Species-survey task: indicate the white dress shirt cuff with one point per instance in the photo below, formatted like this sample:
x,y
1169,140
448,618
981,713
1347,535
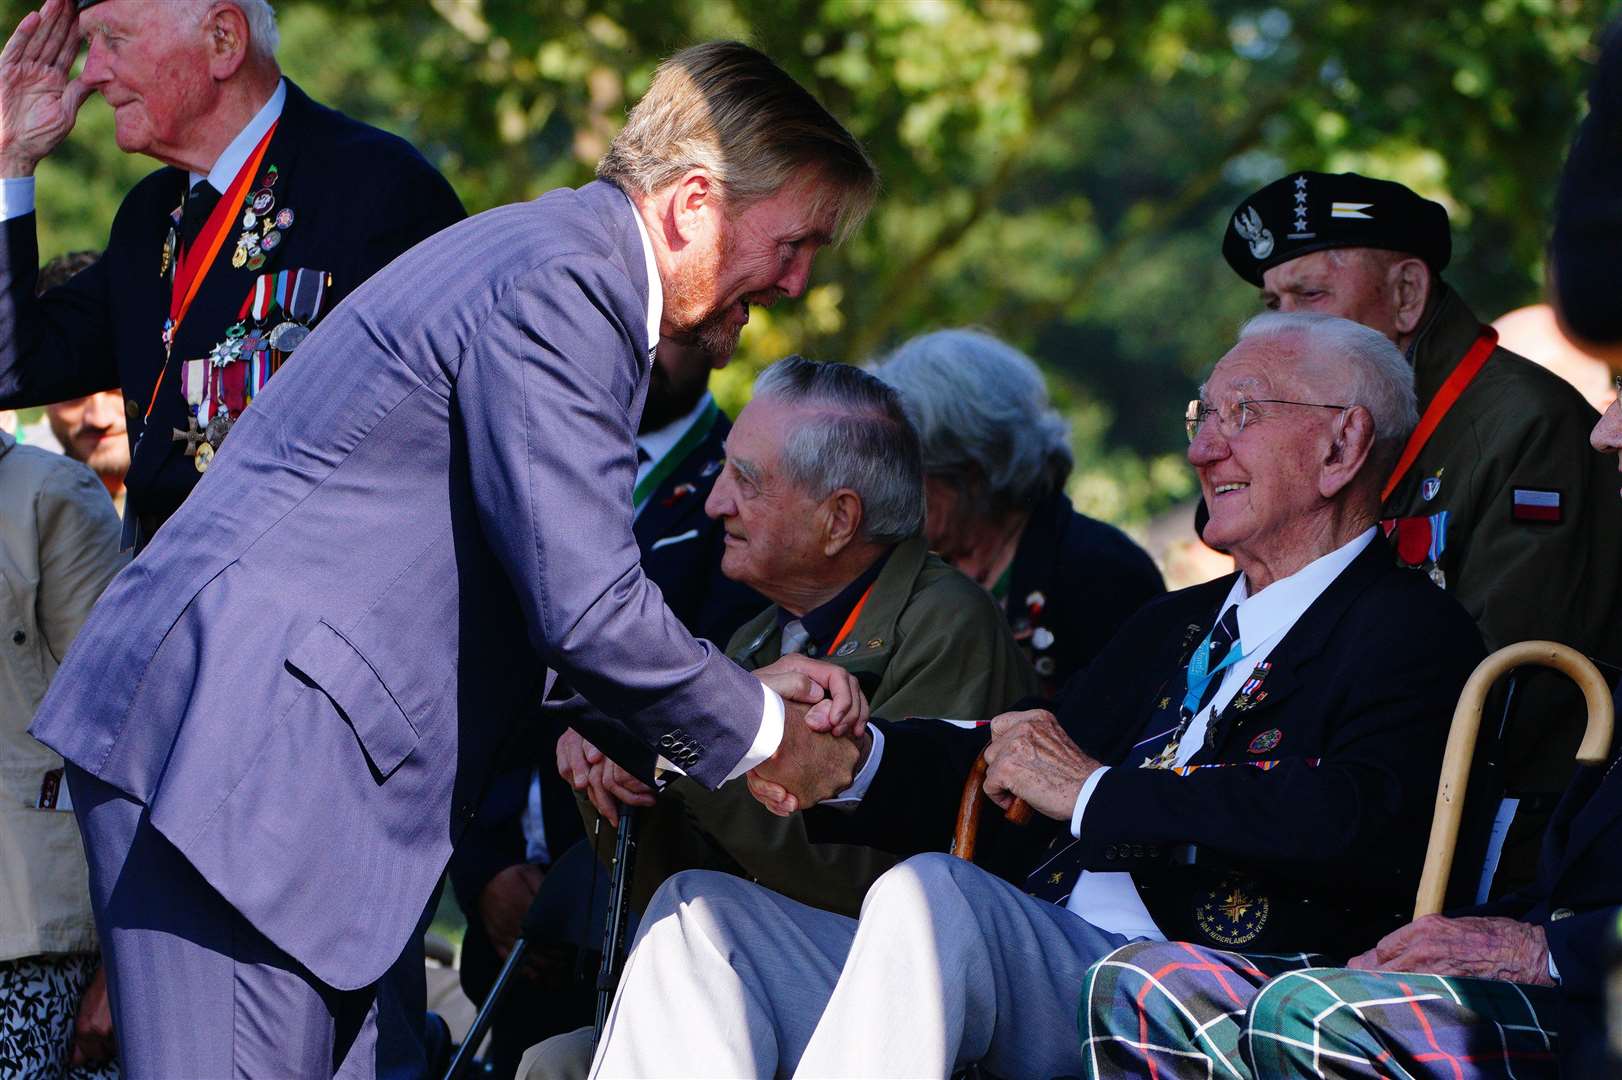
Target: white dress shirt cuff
x,y
1085,794
16,196
864,777
767,737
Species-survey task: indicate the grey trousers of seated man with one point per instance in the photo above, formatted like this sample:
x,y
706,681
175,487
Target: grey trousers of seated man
x,y
948,965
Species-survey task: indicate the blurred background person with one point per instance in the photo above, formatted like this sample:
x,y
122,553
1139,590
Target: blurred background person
x,y
58,550
996,458
89,429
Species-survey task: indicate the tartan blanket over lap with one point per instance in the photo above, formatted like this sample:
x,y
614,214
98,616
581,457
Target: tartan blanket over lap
x,y
1173,1010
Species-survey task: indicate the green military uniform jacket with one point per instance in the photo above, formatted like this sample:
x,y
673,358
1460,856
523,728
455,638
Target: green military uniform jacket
x,y
1513,444
928,642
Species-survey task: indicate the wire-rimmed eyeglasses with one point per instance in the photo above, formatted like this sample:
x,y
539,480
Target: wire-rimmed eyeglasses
x,y
1231,419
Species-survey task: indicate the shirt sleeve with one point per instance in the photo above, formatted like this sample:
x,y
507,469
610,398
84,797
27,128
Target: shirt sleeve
x,y
16,196
767,738
1082,796
864,777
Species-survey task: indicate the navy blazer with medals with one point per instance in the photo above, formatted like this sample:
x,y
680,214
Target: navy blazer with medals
x,y
1321,848
359,197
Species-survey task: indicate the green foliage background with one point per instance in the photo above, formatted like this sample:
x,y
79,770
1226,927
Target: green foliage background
x,y
1058,171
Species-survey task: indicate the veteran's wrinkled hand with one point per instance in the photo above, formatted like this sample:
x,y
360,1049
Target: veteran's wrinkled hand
x,y
1473,946
38,102
1031,758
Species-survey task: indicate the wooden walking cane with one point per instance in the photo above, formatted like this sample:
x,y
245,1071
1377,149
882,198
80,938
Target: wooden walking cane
x,y
967,833
1461,747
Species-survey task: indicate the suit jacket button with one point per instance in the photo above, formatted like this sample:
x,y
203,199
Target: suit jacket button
x,y
18,637
667,741
1561,913
1109,852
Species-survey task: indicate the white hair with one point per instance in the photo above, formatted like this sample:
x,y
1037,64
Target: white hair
x,y
1378,377
263,36
981,409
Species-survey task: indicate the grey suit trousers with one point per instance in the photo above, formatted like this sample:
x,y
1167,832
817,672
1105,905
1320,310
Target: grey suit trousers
x,y
197,992
948,965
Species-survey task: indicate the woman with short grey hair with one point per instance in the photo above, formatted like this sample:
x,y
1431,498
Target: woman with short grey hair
x,y
996,458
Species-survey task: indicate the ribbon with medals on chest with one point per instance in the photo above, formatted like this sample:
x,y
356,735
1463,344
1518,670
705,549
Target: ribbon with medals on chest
x,y
191,265
1200,675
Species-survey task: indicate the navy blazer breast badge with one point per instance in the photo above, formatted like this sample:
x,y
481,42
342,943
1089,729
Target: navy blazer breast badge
x,y
1235,912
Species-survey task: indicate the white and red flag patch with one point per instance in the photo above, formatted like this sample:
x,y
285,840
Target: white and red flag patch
x,y
1536,504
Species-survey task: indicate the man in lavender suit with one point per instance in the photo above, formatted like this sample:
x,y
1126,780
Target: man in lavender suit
x,y
279,720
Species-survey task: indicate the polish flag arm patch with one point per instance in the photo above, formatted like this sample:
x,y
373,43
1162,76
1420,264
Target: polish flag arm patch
x,y
1536,504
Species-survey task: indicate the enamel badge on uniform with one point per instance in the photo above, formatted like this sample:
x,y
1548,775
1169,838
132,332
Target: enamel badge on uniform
x,y
1431,486
1536,504
1264,742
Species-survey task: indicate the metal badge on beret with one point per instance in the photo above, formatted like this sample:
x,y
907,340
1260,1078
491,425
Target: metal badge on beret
x,y
1312,211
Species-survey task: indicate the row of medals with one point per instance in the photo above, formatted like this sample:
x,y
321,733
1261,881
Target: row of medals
x,y
240,343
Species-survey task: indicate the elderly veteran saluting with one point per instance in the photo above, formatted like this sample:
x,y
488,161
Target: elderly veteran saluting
x,y
1249,760
822,502
279,720
1497,496
270,210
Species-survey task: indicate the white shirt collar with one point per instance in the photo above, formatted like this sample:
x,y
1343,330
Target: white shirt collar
x,y
656,292
661,442
1276,608
230,161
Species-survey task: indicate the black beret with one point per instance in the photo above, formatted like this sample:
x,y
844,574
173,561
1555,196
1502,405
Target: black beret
x,y
82,4
1313,211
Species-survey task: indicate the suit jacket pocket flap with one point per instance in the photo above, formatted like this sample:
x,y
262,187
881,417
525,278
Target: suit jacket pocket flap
x,y
329,660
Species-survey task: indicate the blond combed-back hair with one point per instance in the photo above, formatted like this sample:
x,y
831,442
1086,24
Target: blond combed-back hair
x,y
728,109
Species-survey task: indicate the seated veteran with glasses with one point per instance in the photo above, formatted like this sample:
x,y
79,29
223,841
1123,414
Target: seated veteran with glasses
x,y
822,503
1252,760
1512,988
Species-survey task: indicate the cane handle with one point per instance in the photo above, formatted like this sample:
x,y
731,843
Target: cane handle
x,y
1461,745
967,833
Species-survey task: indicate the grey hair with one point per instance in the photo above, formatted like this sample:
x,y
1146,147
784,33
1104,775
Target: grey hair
x,y
856,435
263,36
982,413
1380,378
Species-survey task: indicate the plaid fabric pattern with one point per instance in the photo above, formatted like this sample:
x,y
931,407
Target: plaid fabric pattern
x,y
1171,1010
1168,1009
1335,1022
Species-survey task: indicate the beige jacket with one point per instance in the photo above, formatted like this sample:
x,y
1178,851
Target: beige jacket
x,y
58,550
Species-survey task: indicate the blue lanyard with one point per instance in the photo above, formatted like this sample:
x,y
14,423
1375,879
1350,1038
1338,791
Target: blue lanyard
x,y
1200,674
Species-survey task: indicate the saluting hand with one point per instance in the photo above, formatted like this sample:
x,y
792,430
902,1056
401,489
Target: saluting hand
x,y
38,102
1031,758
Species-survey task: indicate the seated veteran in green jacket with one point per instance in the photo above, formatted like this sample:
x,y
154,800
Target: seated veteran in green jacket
x,y
822,502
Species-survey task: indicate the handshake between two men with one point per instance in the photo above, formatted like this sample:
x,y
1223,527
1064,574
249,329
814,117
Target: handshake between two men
x,y
827,744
